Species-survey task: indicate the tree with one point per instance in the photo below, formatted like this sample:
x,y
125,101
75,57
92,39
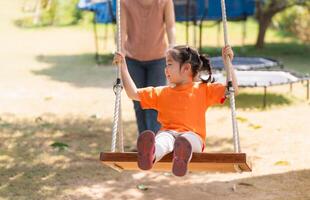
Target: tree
x,y
266,10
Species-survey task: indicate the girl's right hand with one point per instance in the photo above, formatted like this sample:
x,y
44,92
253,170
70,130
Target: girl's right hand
x,y
119,59
227,52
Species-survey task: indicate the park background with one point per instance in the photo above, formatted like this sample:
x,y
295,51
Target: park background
x,y
57,104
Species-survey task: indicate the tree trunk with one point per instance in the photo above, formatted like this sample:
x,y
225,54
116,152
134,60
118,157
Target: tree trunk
x,y
264,23
264,16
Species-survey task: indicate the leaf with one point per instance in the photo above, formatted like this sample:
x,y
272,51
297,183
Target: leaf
x,y
142,187
38,119
245,184
242,119
48,98
282,163
255,126
167,174
59,145
94,116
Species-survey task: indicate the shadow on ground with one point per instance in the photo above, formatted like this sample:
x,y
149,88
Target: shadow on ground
x,y
78,70
289,185
29,162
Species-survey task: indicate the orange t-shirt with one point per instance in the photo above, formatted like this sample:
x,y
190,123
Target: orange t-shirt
x,y
183,108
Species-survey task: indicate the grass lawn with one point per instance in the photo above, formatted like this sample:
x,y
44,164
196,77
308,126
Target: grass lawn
x,y
294,54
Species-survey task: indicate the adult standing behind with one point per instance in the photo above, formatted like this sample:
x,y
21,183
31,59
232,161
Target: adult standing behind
x,y
145,26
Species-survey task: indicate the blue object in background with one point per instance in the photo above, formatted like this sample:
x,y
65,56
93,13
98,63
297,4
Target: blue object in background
x,y
235,9
191,10
105,10
185,10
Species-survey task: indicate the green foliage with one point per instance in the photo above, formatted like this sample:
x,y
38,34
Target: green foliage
x,y
59,145
276,49
105,59
65,12
295,21
294,56
53,12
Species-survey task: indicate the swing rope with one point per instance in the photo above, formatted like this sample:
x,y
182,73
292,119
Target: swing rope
x,y
231,92
117,88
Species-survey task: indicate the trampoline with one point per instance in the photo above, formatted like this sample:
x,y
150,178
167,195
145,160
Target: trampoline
x,y
260,78
264,79
246,63
195,12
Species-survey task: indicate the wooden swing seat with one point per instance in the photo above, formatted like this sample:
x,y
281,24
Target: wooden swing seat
x,y
204,162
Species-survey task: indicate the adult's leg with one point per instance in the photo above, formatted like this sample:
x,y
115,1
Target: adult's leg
x,y
155,76
164,141
138,75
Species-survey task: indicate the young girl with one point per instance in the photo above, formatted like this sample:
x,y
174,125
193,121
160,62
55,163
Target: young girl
x,y
181,106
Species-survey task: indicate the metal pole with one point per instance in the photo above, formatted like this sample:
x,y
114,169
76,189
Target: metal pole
x,y
105,38
308,89
218,34
200,36
96,39
229,84
187,20
194,24
265,97
243,33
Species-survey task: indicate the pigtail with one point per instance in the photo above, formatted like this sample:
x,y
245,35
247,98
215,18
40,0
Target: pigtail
x,y
206,66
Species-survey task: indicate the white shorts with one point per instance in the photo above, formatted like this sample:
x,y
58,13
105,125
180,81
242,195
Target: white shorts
x,y
164,142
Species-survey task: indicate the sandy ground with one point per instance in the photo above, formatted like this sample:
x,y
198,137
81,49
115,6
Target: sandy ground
x,y
36,80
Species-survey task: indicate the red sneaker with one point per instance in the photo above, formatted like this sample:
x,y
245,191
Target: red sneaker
x,y
146,150
182,154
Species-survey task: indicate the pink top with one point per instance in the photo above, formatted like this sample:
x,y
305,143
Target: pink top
x,y
146,39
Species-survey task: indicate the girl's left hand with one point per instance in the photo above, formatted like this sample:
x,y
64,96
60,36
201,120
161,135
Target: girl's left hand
x,y
118,59
227,51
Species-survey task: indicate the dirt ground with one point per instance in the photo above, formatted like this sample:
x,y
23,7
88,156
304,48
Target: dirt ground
x,y
51,90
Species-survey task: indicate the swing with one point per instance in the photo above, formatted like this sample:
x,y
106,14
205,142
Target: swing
x,y
206,162
210,162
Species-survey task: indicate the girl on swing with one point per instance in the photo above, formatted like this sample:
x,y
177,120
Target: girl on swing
x,y
181,106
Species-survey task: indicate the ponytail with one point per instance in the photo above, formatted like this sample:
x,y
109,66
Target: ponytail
x,y
206,66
